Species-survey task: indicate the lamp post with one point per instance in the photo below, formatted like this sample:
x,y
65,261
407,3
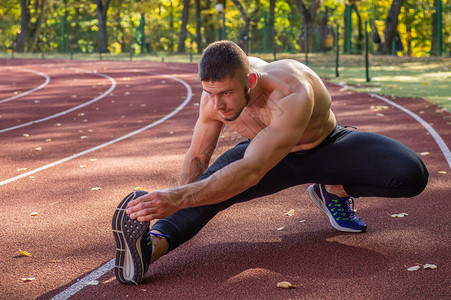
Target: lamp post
x,y
219,9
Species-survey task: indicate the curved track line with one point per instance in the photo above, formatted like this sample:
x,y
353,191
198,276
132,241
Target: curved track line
x,y
180,107
47,80
441,144
112,87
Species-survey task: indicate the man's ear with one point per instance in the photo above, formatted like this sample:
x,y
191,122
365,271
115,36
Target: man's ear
x,y
252,78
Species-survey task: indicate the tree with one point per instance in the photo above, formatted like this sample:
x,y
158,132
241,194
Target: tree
x,y
391,27
102,8
24,26
183,31
39,22
308,15
245,29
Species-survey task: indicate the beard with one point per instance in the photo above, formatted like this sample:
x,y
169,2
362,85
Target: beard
x,y
247,96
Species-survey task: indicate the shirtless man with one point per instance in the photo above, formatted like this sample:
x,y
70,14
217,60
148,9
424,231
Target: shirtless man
x,y
292,137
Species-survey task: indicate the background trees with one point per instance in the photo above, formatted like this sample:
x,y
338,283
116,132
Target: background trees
x,y
408,27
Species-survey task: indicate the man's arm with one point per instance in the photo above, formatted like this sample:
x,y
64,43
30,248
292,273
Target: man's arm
x,y
203,143
267,149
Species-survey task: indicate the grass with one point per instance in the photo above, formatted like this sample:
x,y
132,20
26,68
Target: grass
x,y
411,77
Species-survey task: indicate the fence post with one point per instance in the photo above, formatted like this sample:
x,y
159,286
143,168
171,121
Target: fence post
x,y
367,70
265,32
349,29
63,34
306,43
439,27
337,51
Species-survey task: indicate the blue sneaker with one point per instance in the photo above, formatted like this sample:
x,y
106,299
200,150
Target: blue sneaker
x,y
337,209
133,244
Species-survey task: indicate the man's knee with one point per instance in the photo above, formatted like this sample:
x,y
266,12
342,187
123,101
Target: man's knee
x,y
414,178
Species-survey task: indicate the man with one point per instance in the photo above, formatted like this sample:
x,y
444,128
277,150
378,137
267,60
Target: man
x,y
292,137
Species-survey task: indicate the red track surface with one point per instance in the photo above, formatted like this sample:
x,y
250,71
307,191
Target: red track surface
x,y
240,254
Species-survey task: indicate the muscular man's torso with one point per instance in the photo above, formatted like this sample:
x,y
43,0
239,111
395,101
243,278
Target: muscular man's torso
x,y
277,80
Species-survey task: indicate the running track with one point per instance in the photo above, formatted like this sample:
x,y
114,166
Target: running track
x,y
78,136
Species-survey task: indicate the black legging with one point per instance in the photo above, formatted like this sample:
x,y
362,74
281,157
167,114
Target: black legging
x,y
366,164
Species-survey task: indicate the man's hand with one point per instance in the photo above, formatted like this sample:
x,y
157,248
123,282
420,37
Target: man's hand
x,y
155,205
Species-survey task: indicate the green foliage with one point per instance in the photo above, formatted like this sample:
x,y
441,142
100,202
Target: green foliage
x,y
71,25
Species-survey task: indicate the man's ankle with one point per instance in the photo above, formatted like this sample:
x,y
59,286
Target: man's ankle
x,y
160,246
336,190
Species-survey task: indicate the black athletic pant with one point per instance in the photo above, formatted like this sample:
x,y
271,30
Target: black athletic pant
x,y
366,164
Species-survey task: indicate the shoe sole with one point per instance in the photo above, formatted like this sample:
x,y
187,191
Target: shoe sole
x,y
321,205
129,267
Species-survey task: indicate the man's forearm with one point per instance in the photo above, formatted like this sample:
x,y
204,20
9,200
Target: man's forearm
x,y
222,185
192,169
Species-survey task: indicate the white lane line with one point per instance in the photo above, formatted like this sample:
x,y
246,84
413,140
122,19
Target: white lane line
x,y
180,107
112,87
441,144
47,80
76,287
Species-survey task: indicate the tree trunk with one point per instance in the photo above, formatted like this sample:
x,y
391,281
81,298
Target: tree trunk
x,y
102,8
183,31
271,25
244,30
308,16
360,29
434,33
39,22
391,25
24,26
198,27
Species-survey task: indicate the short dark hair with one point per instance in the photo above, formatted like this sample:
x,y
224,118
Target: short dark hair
x,y
221,59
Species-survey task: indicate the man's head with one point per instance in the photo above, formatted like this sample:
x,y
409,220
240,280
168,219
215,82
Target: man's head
x,y
226,78
223,59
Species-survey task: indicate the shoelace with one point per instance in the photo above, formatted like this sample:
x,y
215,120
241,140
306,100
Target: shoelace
x,y
343,209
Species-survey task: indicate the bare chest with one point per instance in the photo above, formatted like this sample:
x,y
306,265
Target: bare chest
x,y
251,121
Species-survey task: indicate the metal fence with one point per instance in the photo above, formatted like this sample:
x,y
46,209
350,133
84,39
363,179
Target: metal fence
x,y
160,37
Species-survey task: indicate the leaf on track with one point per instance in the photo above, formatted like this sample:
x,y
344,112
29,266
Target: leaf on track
x,y
96,189
289,213
34,214
400,215
26,279
430,266
414,268
24,253
285,285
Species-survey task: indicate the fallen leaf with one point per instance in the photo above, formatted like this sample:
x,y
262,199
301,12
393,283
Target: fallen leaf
x,y
83,166
96,189
26,135
138,188
38,149
48,140
93,282
280,228
285,285
378,107
424,153
34,214
171,132
414,268
401,215
24,253
83,137
58,125
289,213
302,221
93,159
380,115
442,172
81,114
429,266
25,279
21,169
